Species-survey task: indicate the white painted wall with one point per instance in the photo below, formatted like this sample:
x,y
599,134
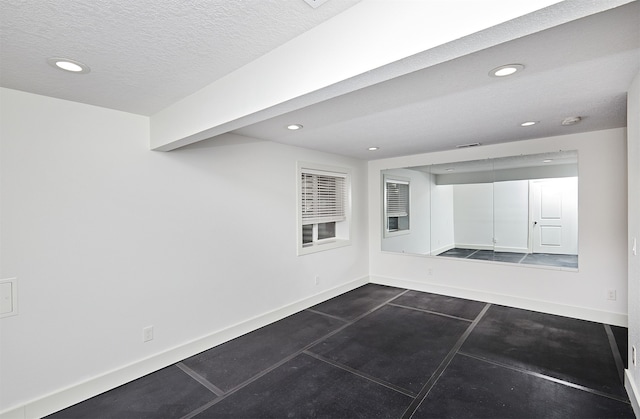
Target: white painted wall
x,y
442,227
511,216
473,215
633,168
107,237
602,237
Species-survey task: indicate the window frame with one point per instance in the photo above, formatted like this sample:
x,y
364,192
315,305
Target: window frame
x,y
386,179
342,227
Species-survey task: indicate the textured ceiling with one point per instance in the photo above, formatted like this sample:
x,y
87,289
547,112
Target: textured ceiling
x,y
581,68
145,54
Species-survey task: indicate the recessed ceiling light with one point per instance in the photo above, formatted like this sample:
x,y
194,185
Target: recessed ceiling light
x,y
373,148
506,70
571,120
71,66
294,127
449,169
528,123
547,161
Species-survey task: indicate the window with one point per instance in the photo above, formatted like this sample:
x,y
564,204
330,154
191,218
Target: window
x,y
324,208
396,206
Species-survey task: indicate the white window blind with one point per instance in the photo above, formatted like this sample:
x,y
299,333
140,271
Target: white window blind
x,y
323,196
397,199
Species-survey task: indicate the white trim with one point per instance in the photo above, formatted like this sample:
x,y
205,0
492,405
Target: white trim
x,y
436,252
343,228
388,178
76,393
632,392
511,249
474,246
617,319
322,245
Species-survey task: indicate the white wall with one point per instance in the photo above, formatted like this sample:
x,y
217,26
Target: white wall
x,y
602,237
633,167
473,215
106,237
511,216
442,231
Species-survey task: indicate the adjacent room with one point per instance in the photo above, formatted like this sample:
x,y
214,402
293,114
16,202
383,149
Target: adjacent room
x,y
319,208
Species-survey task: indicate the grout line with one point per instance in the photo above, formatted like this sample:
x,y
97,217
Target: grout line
x,y
424,392
362,374
471,254
616,351
327,315
431,312
549,378
209,385
287,359
200,409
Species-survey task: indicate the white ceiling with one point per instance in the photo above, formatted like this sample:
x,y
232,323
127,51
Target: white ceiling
x,y
144,55
581,68
148,54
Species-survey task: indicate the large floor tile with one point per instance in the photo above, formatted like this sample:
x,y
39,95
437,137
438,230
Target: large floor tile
x,y
482,255
509,257
452,306
236,361
621,335
398,345
354,304
566,261
573,350
470,388
168,393
458,252
305,387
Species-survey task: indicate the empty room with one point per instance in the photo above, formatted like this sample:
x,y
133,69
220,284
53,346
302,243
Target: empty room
x,y
319,208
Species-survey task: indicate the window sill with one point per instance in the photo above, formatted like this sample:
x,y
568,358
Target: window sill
x,y
396,233
322,246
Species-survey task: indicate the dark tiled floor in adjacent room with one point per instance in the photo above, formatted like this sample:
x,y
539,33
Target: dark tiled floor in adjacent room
x,y
544,259
384,352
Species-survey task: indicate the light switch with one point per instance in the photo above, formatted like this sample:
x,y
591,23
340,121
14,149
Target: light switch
x,y
6,297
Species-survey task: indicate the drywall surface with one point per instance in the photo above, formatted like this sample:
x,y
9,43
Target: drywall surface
x,y
473,215
511,215
107,237
602,237
633,168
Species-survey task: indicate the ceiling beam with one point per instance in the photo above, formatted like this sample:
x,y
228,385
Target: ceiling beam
x,y
371,42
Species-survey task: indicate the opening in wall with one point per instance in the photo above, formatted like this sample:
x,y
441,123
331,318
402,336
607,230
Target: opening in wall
x,y
396,206
324,207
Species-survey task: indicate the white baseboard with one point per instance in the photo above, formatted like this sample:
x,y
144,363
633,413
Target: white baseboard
x,y
511,249
632,392
617,319
436,252
474,246
76,393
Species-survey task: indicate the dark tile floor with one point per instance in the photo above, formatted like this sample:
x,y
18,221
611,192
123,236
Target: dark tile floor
x,y
546,259
383,352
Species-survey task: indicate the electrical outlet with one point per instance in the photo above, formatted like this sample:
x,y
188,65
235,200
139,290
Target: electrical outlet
x,y
429,271
317,280
147,334
633,356
611,295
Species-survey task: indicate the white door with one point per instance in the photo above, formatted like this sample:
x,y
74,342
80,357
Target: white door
x,y
554,215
